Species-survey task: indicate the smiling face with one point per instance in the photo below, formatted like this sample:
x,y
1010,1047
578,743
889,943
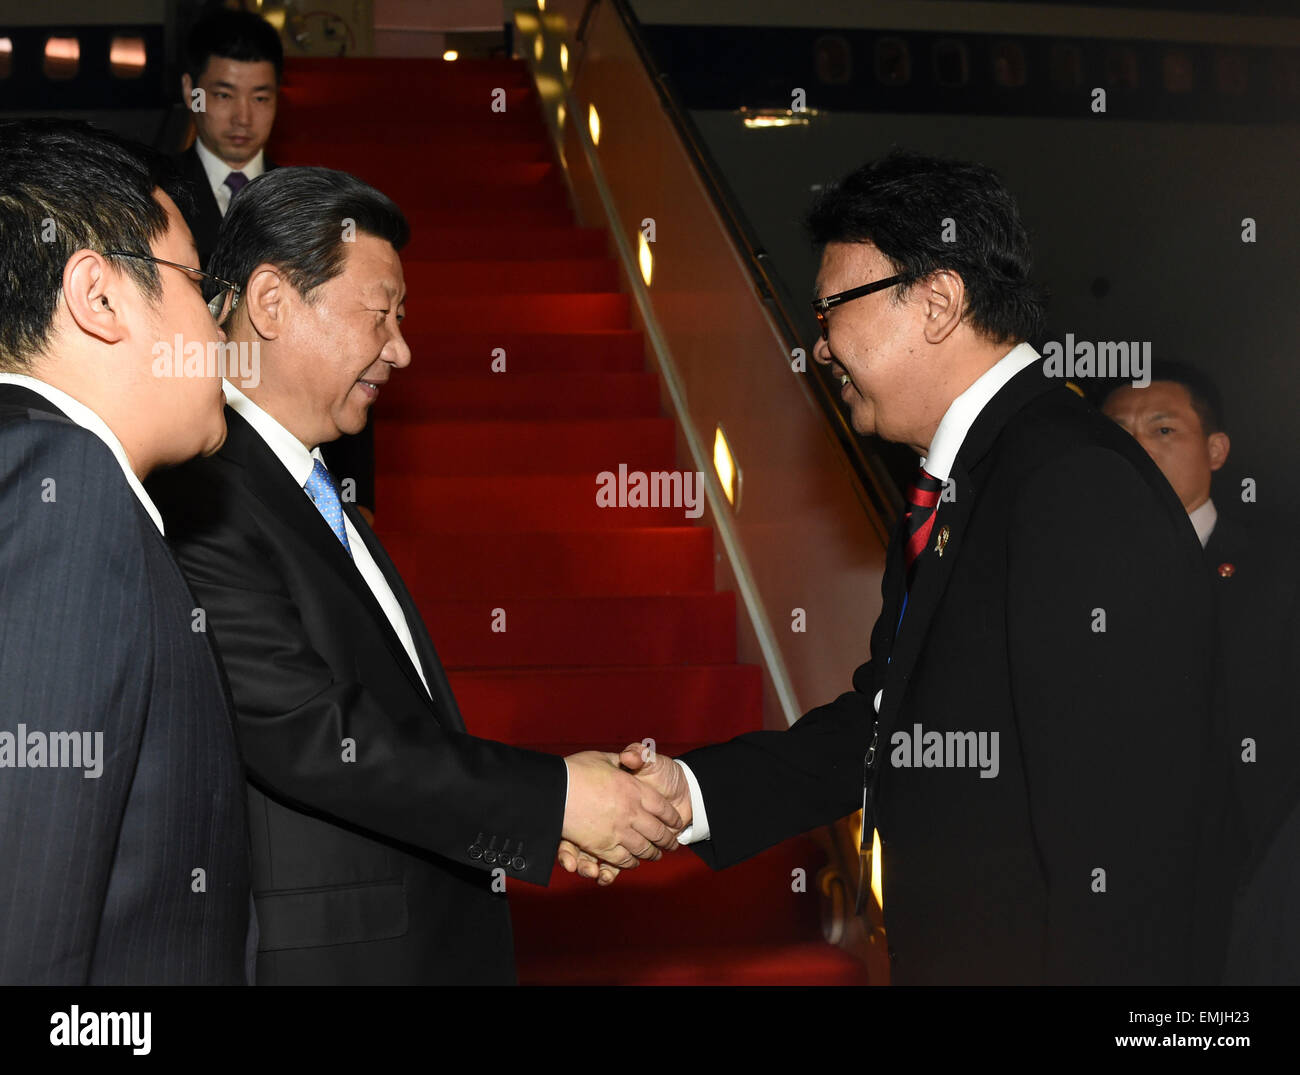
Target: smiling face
x,y
336,352
1162,419
239,107
876,347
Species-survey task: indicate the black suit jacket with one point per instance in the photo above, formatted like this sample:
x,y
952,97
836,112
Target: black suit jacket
x,y
1108,758
1257,611
376,817
139,876
205,220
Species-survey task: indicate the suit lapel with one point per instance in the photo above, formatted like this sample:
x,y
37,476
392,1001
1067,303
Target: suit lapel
x,y
275,488
434,673
952,515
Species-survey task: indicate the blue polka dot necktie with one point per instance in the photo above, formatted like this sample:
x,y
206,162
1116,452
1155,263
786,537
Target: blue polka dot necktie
x,y
320,487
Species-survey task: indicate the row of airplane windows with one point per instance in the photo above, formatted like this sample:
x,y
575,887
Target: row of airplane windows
x,y
127,56
1071,66
894,63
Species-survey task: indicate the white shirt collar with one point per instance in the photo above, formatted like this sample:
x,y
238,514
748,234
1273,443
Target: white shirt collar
x,y
963,410
217,169
297,460
1203,519
93,423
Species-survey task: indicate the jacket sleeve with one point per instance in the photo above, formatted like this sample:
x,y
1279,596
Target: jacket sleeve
x,y
319,738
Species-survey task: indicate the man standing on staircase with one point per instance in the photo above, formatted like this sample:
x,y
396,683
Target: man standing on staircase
x,y
383,832
1031,736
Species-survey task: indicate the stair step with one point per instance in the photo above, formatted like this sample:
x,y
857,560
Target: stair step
x,y
450,503
589,707
677,903
496,245
451,566
584,631
559,312
464,354
522,447
511,277
523,395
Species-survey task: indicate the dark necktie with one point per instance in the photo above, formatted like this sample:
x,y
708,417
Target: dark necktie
x,y
236,181
922,499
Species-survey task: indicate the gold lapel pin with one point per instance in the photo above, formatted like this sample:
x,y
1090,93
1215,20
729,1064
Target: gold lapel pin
x,y
942,540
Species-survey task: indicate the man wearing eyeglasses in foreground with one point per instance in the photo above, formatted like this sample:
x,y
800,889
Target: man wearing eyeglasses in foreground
x,y
1034,721
123,842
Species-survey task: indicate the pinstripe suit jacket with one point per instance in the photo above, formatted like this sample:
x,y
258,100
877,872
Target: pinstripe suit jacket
x,y
138,875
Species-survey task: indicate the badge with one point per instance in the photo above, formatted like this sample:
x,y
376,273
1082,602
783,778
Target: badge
x,y
942,540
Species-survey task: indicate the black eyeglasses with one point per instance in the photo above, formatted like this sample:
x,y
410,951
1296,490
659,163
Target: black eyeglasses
x,y
820,306
221,306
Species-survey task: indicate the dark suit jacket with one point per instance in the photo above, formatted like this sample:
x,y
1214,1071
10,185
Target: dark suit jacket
x,y
351,456
372,808
205,220
98,882
1108,760
1257,609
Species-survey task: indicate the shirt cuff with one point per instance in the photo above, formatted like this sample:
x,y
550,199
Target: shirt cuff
x,y
698,830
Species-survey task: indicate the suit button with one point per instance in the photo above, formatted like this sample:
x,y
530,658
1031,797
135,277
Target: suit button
x,y
476,848
893,956
519,863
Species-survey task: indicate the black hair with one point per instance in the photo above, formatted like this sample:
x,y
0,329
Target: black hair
x,y
232,35
925,214
67,186
296,219
1206,399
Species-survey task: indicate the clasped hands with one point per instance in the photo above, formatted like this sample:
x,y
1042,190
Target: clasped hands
x,y
615,816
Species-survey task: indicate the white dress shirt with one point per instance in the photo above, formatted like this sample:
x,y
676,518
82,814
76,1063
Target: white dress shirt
x,y
948,438
1203,519
298,461
217,170
90,421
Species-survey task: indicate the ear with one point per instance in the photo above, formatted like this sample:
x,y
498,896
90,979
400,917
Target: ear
x,y
187,87
1219,446
943,298
266,302
96,296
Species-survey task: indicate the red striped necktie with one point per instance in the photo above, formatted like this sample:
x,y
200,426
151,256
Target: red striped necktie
x,y
922,499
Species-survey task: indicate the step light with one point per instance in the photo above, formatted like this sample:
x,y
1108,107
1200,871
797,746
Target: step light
x,y
451,54
645,258
724,465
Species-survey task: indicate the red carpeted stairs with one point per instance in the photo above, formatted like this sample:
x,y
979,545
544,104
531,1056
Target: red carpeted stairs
x,y
486,499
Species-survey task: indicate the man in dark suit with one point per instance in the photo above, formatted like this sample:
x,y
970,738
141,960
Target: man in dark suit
x,y
1178,419
384,833
1033,721
234,64
122,826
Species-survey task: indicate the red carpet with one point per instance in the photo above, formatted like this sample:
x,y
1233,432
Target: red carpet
x,y
486,500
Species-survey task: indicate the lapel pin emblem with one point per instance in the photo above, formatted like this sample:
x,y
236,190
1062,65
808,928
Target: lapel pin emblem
x,y
942,540
1226,571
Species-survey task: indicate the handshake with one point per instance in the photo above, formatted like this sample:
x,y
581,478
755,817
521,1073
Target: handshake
x,y
617,816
